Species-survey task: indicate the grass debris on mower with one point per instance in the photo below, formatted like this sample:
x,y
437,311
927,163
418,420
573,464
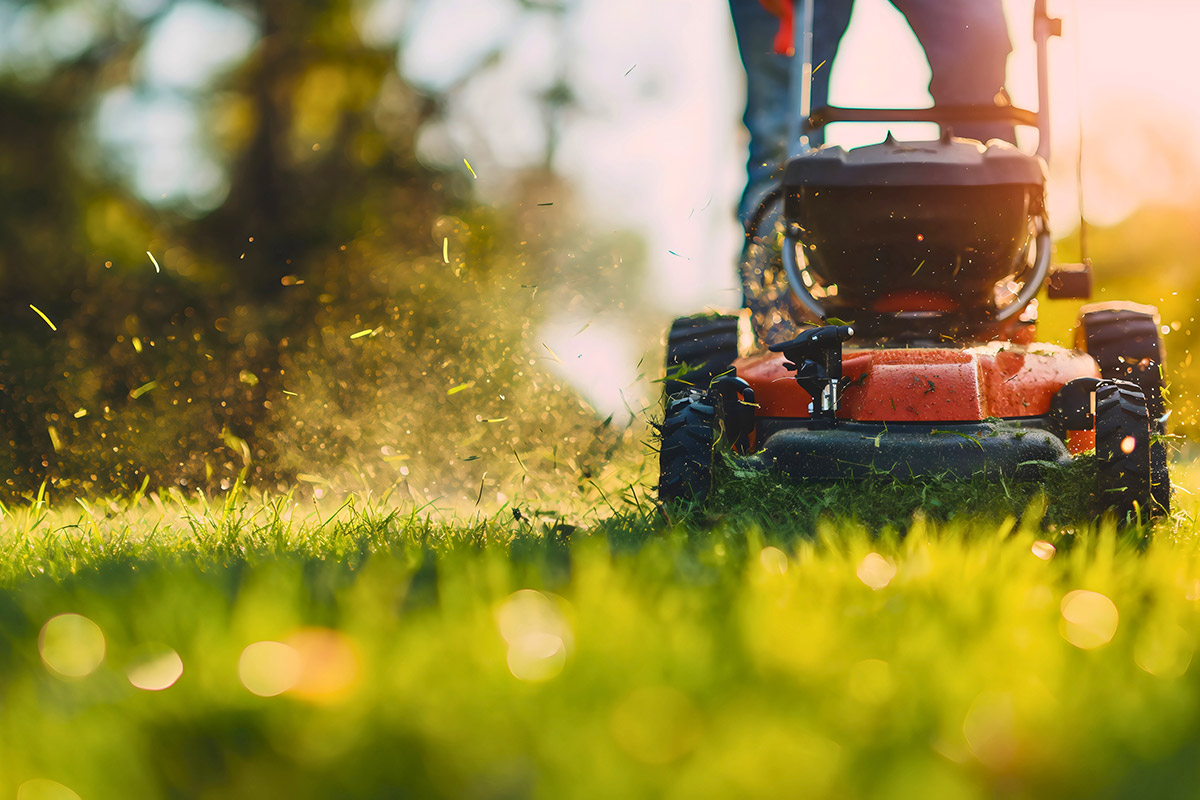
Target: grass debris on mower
x,y
936,252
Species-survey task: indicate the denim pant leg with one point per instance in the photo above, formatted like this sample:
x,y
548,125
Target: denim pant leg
x,y
767,99
967,44
768,86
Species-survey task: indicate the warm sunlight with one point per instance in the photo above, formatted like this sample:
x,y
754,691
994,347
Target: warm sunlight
x,y
1131,68
348,447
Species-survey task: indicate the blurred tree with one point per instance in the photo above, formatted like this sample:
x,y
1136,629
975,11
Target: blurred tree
x,y
331,150
324,221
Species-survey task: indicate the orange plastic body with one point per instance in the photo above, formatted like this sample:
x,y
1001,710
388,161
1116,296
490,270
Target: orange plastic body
x,y
999,379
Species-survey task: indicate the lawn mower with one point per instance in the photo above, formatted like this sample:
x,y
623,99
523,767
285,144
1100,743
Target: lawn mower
x,y
935,252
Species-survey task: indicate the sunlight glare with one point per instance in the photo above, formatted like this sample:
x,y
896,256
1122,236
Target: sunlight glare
x,y
158,673
330,666
44,789
876,571
538,635
1089,619
192,44
1193,591
597,357
269,668
536,657
1165,651
1043,550
773,560
71,645
989,729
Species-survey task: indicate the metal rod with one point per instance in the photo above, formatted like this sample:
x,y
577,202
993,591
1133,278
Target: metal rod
x,y
1043,29
1083,225
1033,283
802,69
791,264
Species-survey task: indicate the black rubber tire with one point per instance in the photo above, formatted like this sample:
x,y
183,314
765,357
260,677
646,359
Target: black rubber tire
x,y
685,458
708,346
1120,337
1122,449
1126,343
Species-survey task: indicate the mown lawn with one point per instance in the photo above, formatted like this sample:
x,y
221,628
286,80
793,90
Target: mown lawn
x,y
361,651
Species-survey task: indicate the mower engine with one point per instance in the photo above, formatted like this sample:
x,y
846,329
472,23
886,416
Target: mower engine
x,y
916,241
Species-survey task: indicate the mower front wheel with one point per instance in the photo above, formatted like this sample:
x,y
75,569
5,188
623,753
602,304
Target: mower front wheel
x,y
1127,344
685,458
698,349
1123,481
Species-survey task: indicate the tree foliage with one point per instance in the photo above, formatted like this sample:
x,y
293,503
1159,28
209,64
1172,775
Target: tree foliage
x,y
324,300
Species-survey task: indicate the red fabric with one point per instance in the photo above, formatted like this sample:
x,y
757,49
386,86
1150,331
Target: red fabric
x,y
784,36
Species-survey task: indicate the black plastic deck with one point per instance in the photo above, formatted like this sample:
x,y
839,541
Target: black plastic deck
x,y
910,450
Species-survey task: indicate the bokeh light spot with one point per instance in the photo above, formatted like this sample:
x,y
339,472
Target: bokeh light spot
x,y
536,657
537,633
44,789
1164,651
329,664
269,668
1043,550
1128,444
989,730
1089,619
1193,590
876,571
773,560
158,673
71,645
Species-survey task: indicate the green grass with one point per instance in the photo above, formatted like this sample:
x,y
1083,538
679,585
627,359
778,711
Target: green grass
x,y
754,497
855,651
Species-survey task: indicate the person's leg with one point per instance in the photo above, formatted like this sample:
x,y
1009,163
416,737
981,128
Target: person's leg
x,y
768,86
768,106
767,99
967,44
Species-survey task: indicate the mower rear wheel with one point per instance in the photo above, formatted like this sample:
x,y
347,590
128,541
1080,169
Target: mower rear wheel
x,y
1123,479
1127,345
698,349
1120,337
685,458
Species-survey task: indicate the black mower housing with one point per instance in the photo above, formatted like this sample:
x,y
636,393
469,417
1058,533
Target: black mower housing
x,y
882,220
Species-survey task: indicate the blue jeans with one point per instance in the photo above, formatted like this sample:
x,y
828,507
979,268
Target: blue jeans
x,y
965,41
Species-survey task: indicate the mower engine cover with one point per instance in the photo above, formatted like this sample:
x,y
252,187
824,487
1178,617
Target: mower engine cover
x,y
902,227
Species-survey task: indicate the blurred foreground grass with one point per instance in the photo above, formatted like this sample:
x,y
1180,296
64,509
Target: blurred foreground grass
x,y
166,648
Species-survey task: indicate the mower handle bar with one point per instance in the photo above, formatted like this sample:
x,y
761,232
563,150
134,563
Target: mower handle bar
x,y
804,120
942,115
